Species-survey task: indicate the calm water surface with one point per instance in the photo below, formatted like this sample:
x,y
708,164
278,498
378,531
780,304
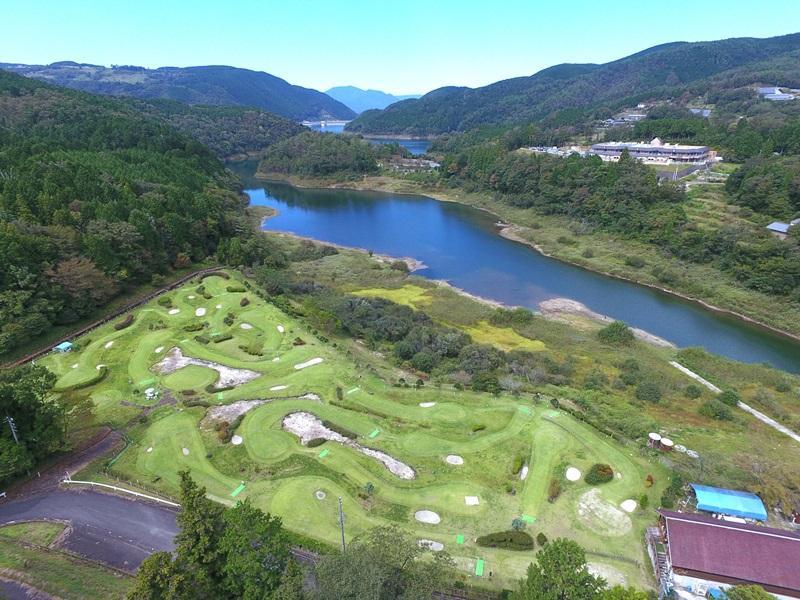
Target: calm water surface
x,y
416,147
461,245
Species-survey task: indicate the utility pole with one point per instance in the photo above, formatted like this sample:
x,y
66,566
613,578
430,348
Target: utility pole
x,y
341,521
13,427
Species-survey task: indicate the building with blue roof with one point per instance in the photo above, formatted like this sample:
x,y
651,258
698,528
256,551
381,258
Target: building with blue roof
x,y
63,347
729,502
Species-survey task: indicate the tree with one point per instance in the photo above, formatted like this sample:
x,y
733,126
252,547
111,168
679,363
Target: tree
x,y
256,551
748,592
292,585
616,333
384,564
648,391
559,573
158,579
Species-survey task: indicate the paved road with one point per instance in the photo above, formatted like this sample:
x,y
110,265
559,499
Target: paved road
x,y
11,590
111,529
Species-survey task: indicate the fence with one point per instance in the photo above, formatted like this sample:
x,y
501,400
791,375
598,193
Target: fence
x,y
123,490
111,316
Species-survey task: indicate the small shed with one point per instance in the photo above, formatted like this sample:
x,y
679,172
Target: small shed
x,y
63,347
729,502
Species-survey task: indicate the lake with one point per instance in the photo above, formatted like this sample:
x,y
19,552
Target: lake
x,y
461,244
415,146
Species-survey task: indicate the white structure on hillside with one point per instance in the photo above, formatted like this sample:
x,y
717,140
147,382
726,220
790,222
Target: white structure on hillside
x,y
655,151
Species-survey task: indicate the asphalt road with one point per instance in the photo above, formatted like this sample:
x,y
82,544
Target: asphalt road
x,y
110,529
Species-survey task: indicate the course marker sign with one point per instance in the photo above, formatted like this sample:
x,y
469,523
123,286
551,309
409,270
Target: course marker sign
x,y
324,453
374,434
238,490
460,538
219,396
479,567
528,519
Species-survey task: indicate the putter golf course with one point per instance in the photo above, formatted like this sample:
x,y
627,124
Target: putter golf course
x,y
442,464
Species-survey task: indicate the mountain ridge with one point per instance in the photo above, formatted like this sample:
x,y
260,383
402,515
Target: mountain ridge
x,y
359,99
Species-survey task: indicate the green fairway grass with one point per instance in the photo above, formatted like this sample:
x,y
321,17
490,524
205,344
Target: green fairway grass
x,y
280,475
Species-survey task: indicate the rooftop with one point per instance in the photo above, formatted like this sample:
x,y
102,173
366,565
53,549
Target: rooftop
x,y
729,502
779,227
750,553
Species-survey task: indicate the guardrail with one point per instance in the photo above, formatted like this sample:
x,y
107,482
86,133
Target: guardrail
x,y
119,489
110,316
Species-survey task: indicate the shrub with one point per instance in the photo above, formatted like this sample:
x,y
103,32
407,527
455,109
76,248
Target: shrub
x,y
783,386
541,539
253,349
588,253
637,262
126,322
714,409
648,391
399,265
244,301
567,241
510,540
188,392
196,402
315,442
693,391
223,338
211,388
229,318
729,397
298,342
617,333
194,326
667,501
165,301
339,393
478,427
553,489
235,289
599,473
644,501
224,432
340,430
222,274
648,482
203,339
516,466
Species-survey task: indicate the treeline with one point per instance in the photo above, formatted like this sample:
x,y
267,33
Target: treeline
x,y
313,154
626,199
95,197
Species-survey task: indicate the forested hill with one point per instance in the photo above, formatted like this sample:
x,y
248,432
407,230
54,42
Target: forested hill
x,y
96,196
665,71
213,85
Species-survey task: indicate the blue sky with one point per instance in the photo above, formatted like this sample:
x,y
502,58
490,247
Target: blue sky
x,y
402,46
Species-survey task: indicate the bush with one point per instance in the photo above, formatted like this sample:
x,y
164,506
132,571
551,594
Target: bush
x,y
729,397
553,489
229,318
617,333
202,339
541,539
648,391
298,342
235,289
212,389
714,409
636,262
244,301
165,301
588,253
399,265
693,391
340,430
223,338
253,349
478,427
194,326
644,501
510,540
599,473
126,322
315,442
783,386
516,466
567,241
222,274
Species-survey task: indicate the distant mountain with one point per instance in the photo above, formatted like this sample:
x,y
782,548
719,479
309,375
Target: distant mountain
x,y
360,100
660,72
212,85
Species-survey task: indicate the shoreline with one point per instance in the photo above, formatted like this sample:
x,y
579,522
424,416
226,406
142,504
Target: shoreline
x,y
512,232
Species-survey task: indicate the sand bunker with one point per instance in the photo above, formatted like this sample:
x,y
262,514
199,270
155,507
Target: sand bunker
x,y
427,516
278,388
276,359
191,297
308,427
471,500
523,474
186,452
454,459
159,350
246,326
219,306
174,311
628,505
237,440
75,366
601,516
228,376
109,344
150,449
320,495
431,545
200,312
308,363
98,367
281,329
573,474
427,404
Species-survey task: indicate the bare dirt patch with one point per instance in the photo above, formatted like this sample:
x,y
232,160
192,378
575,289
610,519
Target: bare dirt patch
x,y
610,574
228,376
601,516
307,427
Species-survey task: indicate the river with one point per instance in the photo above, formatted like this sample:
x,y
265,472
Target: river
x,y
461,244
